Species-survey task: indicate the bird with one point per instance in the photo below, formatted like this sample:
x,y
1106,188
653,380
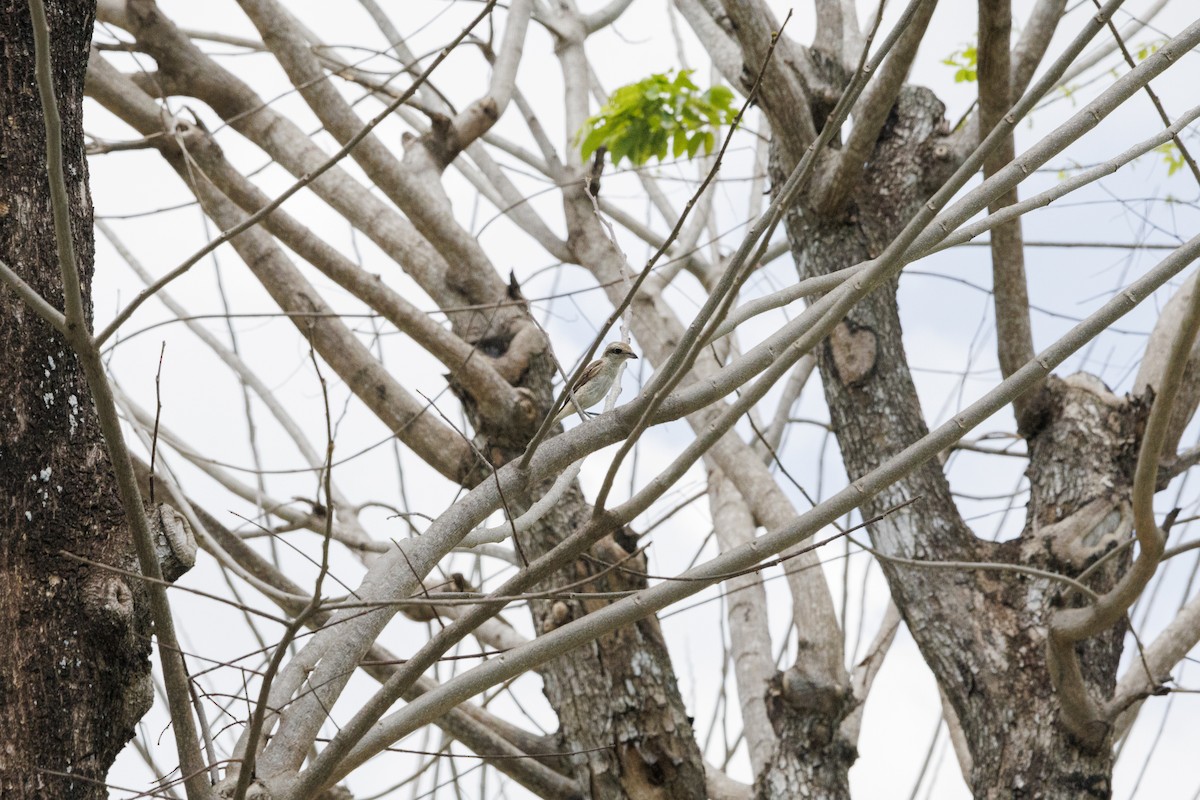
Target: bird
x,y
597,378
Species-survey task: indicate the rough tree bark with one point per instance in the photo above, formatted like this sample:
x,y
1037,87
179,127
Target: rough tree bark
x,y
983,632
617,699
74,668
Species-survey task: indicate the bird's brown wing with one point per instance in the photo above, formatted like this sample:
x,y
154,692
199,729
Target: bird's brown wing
x,y
588,373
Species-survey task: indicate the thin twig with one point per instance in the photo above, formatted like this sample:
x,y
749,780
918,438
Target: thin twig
x,y
32,299
157,414
1158,106
249,745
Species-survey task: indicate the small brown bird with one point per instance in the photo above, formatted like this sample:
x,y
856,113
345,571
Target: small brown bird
x,y
597,378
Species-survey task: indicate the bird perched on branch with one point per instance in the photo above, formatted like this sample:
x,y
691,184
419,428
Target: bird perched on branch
x,y
595,381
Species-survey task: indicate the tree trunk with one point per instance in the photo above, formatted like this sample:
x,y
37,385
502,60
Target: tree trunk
x,y
983,632
74,669
812,758
617,698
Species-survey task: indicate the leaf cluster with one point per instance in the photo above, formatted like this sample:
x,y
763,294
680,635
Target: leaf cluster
x,y
658,115
965,62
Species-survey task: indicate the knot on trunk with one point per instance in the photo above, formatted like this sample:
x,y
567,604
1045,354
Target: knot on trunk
x,y
853,349
799,703
107,597
448,137
518,353
1081,538
174,542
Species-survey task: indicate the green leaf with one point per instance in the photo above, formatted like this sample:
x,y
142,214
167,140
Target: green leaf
x,y
659,141
965,62
679,143
720,96
619,149
662,114
1147,49
684,80
1172,157
593,141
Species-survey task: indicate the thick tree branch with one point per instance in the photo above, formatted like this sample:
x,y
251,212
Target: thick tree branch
x,y
1154,368
749,636
412,185
868,667
440,447
605,16
185,69
873,108
1070,626
838,31
785,98
924,231
701,397
495,397
554,454
717,41
1014,336
1035,40
651,600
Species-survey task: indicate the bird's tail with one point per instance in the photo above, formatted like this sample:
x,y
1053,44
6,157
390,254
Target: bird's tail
x,y
565,412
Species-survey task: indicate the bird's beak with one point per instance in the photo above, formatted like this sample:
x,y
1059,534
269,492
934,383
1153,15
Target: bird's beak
x,y
633,355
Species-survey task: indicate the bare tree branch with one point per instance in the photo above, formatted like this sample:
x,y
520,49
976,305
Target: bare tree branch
x,y
785,98
1014,336
1146,675
1035,40
606,16
867,668
1073,625
750,639
650,600
1068,184
474,726
872,110
798,718
1099,53
1154,369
